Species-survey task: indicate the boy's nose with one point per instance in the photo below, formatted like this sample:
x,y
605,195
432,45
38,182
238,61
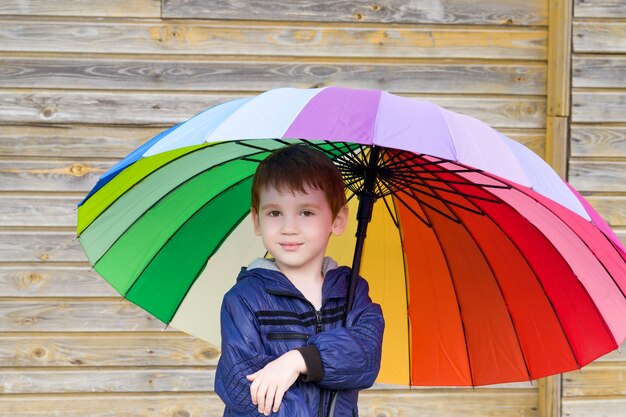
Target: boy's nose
x,y
289,225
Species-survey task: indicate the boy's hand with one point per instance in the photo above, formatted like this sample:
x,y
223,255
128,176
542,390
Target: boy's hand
x,y
270,383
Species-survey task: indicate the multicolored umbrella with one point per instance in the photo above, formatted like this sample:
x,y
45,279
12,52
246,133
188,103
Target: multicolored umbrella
x,y
489,267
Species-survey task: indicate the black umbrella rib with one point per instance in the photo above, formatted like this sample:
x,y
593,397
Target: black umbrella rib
x,y
400,158
493,273
453,191
415,190
471,184
421,201
248,145
383,194
406,289
408,207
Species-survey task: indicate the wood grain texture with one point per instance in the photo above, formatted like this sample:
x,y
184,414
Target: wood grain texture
x,y
490,12
52,381
168,108
76,316
50,280
114,405
25,175
38,211
109,8
598,141
73,141
598,379
598,107
612,209
233,75
371,404
40,246
280,39
597,176
594,407
106,350
599,8
601,72
599,37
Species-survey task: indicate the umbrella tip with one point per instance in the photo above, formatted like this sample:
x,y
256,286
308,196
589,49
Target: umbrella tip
x,y
166,326
75,237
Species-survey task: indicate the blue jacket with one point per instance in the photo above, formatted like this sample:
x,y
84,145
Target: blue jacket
x,y
264,315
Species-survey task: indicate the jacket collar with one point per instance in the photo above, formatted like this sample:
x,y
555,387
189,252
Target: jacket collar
x,y
335,278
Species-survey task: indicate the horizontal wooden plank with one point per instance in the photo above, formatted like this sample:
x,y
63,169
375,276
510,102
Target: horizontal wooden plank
x,y
598,175
612,406
120,108
66,175
598,141
76,316
110,8
598,107
52,210
594,407
598,379
40,246
113,405
106,350
185,75
599,8
73,141
164,109
371,404
49,280
245,38
605,72
490,12
599,37
611,208
18,381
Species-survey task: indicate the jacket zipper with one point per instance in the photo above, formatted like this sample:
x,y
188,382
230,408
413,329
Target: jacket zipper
x,y
287,336
318,329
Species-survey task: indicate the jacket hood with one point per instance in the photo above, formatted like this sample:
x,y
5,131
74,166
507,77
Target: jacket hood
x,y
335,277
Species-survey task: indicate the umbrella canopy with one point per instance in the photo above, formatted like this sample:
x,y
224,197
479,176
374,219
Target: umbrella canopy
x,y
488,266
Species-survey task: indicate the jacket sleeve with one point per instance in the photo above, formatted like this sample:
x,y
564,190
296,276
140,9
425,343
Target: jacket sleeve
x,y
349,356
243,354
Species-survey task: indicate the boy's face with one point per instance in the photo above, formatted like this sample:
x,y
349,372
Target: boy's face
x,y
295,227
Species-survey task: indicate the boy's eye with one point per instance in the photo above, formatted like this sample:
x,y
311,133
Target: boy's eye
x,y
274,213
307,213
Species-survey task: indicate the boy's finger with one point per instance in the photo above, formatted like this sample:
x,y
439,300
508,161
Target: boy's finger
x,y
254,387
269,400
253,376
278,398
260,396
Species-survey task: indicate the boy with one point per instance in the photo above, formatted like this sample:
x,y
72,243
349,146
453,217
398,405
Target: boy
x,y
283,347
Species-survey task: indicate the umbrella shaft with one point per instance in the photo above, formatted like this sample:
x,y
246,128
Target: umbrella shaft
x,y
367,198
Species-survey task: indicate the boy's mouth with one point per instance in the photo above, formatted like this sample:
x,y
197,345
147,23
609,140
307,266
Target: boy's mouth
x,y
290,246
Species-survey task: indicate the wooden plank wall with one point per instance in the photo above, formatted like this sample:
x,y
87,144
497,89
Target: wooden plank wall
x,y
597,167
83,83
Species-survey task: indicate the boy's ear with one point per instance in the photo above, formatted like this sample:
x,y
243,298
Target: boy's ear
x,y
341,221
255,221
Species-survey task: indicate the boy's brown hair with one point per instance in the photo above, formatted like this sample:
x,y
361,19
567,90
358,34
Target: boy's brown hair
x,y
294,166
